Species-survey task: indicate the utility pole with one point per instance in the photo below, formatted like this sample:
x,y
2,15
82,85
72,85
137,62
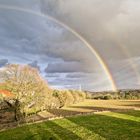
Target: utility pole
x,y
80,87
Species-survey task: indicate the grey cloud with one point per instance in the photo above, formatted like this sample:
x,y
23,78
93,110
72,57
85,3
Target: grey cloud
x,y
109,26
90,81
3,62
126,73
106,25
52,75
66,67
34,64
94,31
76,75
40,38
34,4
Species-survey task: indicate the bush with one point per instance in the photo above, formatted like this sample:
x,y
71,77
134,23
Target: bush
x,y
99,97
107,97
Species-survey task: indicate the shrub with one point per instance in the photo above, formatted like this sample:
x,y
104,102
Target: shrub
x,y
99,97
107,97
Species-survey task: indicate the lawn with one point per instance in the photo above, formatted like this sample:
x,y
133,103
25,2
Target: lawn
x,y
121,123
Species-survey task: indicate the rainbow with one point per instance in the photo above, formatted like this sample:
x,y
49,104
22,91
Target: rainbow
x,y
91,48
127,54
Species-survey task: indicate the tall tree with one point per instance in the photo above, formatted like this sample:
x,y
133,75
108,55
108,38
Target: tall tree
x,y
29,89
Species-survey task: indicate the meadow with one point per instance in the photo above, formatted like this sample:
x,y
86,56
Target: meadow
x,y
95,120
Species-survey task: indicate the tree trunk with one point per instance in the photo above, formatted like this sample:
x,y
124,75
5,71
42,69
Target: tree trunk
x,y
9,104
17,110
16,107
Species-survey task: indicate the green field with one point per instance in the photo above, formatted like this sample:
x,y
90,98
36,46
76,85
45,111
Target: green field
x,y
121,122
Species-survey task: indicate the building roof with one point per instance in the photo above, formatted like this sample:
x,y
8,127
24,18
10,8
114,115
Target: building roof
x,y
6,93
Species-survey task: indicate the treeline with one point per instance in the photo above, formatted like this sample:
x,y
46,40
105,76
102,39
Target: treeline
x,y
120,94
25,92
61,98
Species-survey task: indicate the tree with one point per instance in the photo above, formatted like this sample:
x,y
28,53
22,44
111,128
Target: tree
x,y
60,95
28,87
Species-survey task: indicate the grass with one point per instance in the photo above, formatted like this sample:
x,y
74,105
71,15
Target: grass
x,y
122,123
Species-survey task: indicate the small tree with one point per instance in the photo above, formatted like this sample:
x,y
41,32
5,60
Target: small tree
x,y
75,96
69,98
61,97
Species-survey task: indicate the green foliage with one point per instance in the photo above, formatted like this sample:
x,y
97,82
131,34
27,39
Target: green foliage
x,y
107,97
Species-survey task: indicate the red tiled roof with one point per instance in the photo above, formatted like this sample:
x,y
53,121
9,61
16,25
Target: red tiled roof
x,y
6,93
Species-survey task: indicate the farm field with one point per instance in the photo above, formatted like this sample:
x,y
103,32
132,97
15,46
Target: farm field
x,y
99,120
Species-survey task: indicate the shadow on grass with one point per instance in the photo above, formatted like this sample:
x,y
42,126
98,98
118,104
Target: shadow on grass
x,y
130,101
108,127
63,112
133,105
42,131
135,113
50,131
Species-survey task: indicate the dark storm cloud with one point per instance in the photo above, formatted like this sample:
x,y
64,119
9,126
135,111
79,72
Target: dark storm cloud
x,y
34,64
23,35
107,25
76,75
66,67
110,26
37,40
3,62
32,4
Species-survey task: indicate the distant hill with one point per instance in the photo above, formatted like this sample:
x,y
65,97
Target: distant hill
x,y
120,94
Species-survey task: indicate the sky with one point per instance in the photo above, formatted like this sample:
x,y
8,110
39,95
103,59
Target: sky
x,y
43,34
